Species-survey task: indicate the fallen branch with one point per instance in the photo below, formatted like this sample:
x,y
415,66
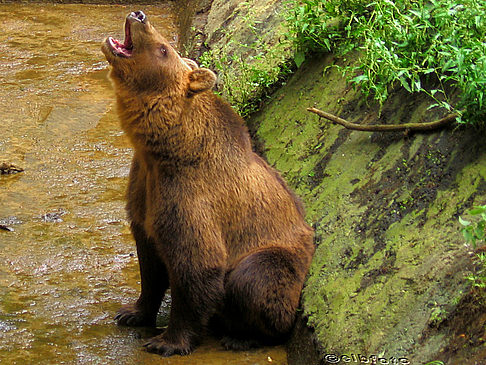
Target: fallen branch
x,y
386,127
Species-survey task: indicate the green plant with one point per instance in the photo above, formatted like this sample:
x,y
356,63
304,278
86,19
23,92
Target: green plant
x,y
319,25
245,83
413,44
474,233
437,316
248,68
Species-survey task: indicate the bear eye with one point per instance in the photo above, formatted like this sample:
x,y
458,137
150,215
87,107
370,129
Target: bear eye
x,y
163,50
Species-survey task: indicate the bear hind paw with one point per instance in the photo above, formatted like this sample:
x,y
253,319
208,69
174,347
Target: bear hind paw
x,y
159,345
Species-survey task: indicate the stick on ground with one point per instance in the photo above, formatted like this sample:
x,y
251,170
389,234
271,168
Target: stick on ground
x,y
386,127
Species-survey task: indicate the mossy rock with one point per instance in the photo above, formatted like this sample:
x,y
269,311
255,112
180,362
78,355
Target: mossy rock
x,y
389,271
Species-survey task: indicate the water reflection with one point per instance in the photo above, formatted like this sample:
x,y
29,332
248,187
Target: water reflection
x,y
70,260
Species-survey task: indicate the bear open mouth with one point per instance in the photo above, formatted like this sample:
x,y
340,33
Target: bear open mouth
x,y
122,49
125,49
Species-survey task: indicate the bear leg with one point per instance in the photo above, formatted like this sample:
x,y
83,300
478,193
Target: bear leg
x,y
195,296
154,283
262,294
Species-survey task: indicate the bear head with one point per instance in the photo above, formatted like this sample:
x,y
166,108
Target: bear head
x,y
146,62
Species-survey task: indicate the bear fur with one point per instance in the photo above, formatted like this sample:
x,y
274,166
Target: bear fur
x,y
210,218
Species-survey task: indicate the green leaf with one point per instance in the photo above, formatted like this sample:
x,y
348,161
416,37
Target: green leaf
x,y
359,78
464,222
417,84
469,237
327,44
479,233
405,84
477,210
299,58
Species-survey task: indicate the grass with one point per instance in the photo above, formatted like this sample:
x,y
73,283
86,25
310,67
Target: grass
x,y
430,47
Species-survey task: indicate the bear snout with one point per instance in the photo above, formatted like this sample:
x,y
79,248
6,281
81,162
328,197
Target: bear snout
x,y
138,16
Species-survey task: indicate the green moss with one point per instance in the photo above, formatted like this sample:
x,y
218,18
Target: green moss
x,y
247,49
384,207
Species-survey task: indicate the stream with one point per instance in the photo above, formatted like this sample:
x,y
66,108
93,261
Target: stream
x,y
69,261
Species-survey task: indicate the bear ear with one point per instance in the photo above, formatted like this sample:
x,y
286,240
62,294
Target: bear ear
x,y
201,79
192,64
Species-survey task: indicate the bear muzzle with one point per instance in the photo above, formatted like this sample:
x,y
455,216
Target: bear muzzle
x,y
125,49
138,16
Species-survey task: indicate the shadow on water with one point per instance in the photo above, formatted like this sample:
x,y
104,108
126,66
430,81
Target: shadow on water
x,y
70,260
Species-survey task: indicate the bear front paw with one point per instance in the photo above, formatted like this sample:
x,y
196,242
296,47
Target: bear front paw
x,y
131,315
161,346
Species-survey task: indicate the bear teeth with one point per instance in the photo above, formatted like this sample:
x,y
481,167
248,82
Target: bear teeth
x,y
118,48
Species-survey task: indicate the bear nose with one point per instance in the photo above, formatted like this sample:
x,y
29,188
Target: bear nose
x,y
138,15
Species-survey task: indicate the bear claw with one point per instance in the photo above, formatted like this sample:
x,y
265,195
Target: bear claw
x,y
160,346
130,315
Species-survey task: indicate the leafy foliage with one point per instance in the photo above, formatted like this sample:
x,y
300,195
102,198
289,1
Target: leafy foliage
x,y
411,43
245,83
474,233
250,67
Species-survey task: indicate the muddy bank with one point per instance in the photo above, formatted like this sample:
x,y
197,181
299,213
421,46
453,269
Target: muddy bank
x,y
388,277
390,256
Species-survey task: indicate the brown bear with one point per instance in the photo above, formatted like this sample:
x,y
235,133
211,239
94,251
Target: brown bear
x,y
210,218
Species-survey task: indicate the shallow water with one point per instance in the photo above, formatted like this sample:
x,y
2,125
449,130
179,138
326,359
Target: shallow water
x,y
70,260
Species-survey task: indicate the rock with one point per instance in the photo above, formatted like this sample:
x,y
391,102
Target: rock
x,y
7,168
5,228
